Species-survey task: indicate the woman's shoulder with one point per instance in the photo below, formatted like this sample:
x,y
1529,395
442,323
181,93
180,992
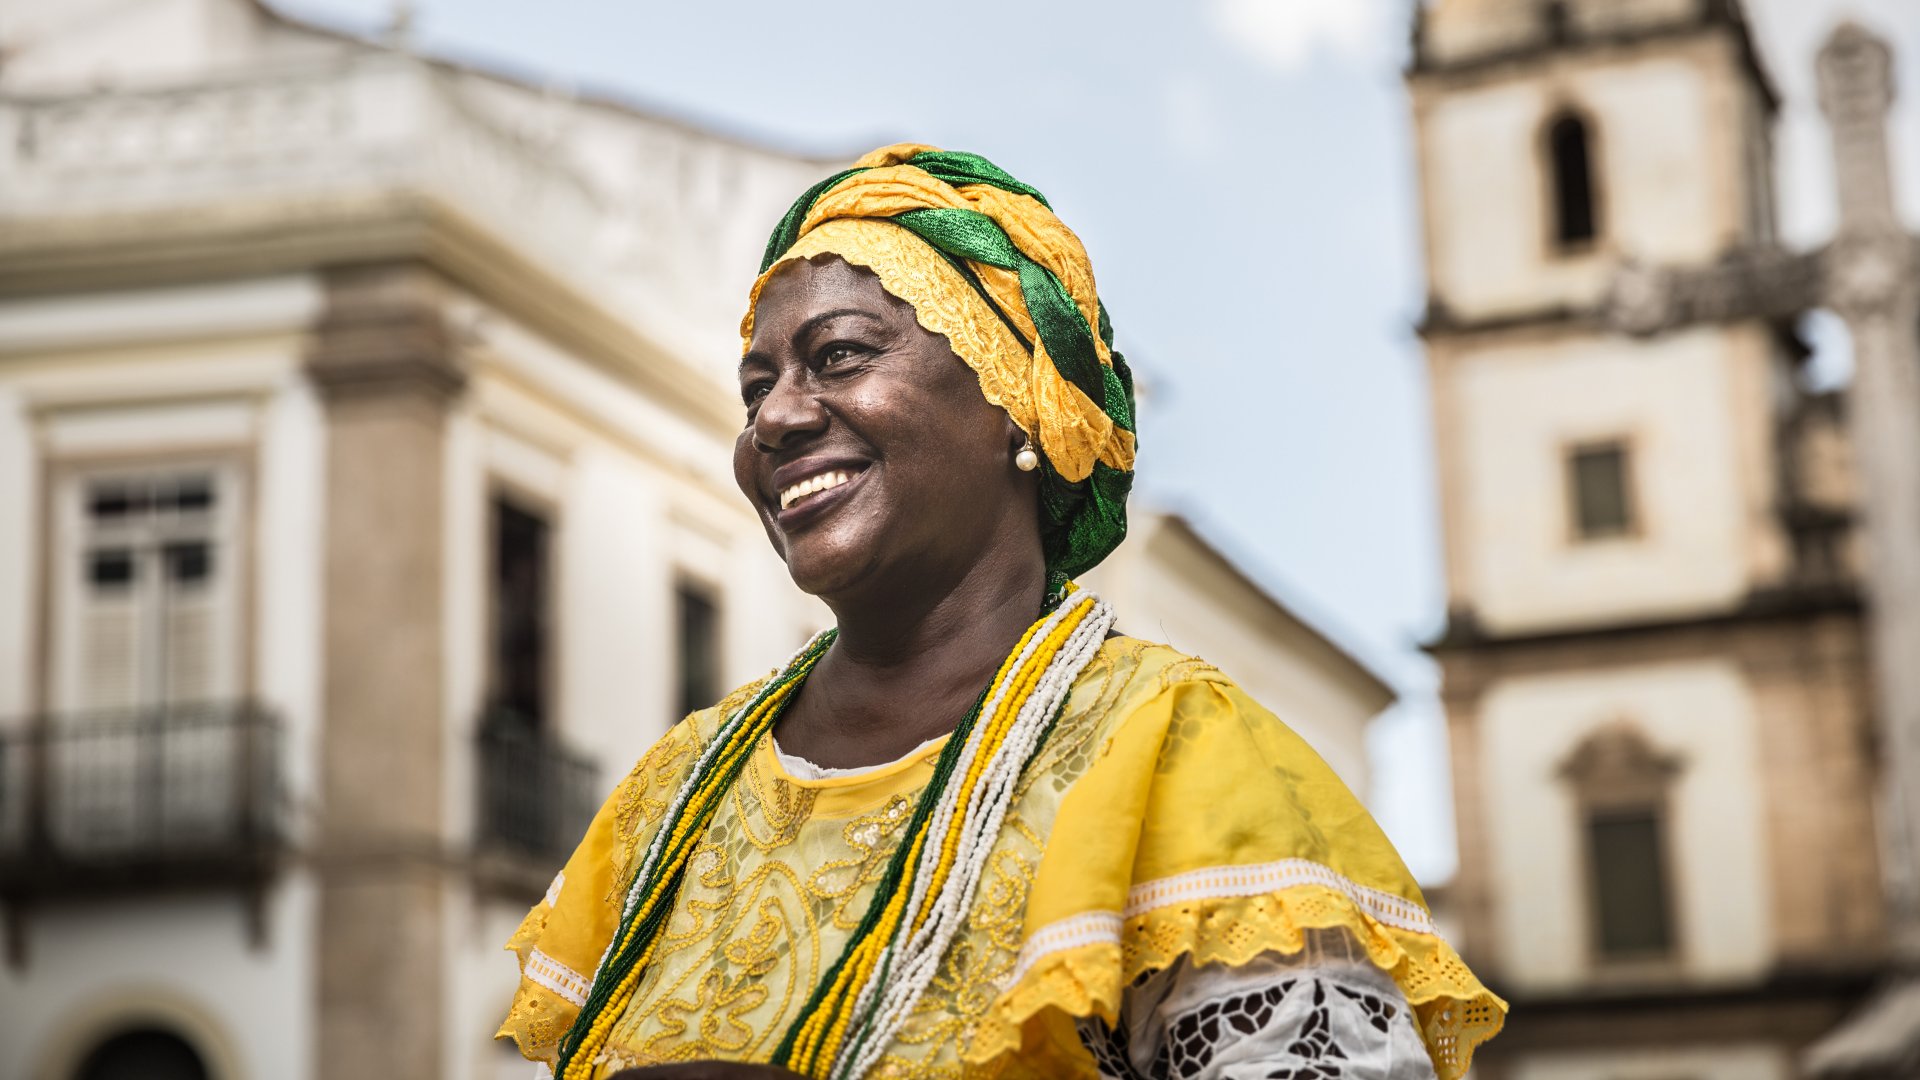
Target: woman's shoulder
x,y
1128,672
1167,710
1157,662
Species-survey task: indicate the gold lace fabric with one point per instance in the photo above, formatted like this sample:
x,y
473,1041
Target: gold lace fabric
x,y
1105,869
1072,429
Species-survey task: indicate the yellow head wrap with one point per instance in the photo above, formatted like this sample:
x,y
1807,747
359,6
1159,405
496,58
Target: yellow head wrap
x,y
986,264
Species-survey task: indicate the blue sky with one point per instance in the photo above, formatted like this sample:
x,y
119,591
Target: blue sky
x,y
1241,172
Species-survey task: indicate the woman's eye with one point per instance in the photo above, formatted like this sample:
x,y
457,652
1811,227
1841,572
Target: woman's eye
x,y
753,392
838,352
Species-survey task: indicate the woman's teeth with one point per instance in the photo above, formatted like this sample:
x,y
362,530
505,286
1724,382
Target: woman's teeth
x,y
812,484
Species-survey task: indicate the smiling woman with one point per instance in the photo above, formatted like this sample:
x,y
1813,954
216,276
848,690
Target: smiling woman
x,y
972,830
863,428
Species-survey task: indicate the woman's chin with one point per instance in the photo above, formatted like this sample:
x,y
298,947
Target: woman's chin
x,y
826,569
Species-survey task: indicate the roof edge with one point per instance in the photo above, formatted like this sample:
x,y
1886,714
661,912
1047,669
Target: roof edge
x,y
1325,629
586,94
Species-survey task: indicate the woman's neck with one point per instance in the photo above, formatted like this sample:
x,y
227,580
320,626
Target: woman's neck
x,y
908,669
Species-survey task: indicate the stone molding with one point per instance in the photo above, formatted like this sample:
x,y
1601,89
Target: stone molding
x,y
271,237
384,332
1752,283
1552,42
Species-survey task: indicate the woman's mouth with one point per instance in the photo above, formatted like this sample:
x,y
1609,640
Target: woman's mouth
x,y
813,485
804,498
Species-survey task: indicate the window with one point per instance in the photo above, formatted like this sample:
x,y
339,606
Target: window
x,y
698,618
1629,882
1558,21
1598,479
1620,785
1570,170
521,581
143,1054
147,604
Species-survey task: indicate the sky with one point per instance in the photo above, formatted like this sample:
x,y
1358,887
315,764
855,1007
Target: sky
x,y
1241,173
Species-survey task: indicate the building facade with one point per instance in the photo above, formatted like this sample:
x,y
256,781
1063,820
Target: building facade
x,y
365,510
1657,672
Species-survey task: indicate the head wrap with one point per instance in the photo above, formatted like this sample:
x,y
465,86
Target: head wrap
x,y
985,263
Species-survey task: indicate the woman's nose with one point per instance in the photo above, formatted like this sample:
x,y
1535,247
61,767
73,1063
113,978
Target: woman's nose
x,y
790,411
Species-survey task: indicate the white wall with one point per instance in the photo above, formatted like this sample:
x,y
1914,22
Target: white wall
x,y
1465,29
93,966
128,374
287,612
1733,1061
19,523
1666,179
1694,410
1703,713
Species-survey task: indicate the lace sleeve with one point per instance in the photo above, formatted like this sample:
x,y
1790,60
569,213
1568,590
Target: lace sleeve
x,y
1323,1013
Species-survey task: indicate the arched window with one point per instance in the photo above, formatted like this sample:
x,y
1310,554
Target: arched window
x,y
143,1054
1620,786
1570,173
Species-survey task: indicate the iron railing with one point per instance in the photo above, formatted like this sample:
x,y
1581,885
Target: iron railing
x,y
179,794
536,797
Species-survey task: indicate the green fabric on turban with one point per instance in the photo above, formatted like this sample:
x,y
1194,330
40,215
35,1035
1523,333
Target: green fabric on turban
x,y
985,262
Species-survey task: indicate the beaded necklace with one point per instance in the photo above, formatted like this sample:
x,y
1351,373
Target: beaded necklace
x,y
922,899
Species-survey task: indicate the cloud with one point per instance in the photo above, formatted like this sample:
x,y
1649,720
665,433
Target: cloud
x,y
1286,34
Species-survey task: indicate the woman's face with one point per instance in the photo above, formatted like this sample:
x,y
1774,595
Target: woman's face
x,y
869,451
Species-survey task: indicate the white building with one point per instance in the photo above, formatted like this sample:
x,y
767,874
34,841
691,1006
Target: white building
x,y
1670,756
365,510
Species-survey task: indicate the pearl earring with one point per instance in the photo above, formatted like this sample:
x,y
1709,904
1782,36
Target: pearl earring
x,y
1027,459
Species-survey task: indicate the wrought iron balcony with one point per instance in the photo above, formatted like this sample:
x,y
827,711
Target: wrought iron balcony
x,y
536,796
180,795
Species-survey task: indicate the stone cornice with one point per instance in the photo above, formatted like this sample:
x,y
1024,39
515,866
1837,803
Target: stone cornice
x,y
1464,633
172,247
1440,322
1715,19
1845,977
1762,282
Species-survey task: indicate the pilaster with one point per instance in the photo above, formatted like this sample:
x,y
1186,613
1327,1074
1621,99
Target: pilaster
x,y
387,372
1871,271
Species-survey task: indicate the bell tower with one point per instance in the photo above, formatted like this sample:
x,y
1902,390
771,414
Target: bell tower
x,y
1654,671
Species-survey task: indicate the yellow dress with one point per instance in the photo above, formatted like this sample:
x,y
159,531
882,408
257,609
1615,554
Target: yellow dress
x,y
1167,815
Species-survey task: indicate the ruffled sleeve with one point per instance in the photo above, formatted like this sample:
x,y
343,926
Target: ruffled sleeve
x,y
560,942
1324,1011
1207,831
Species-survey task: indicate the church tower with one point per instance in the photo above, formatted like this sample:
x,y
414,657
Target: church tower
x,y
1654,670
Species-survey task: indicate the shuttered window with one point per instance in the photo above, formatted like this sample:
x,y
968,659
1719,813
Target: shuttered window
x,y
521,597
698,615
1631,903
148,590
1602,503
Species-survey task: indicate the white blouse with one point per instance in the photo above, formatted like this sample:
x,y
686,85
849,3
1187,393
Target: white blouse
x,y
1322,1013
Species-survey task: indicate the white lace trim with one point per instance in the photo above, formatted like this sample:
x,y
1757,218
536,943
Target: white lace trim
x,y
545,971
553,890
1218,882
1324,1012
1213,883
1091,928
